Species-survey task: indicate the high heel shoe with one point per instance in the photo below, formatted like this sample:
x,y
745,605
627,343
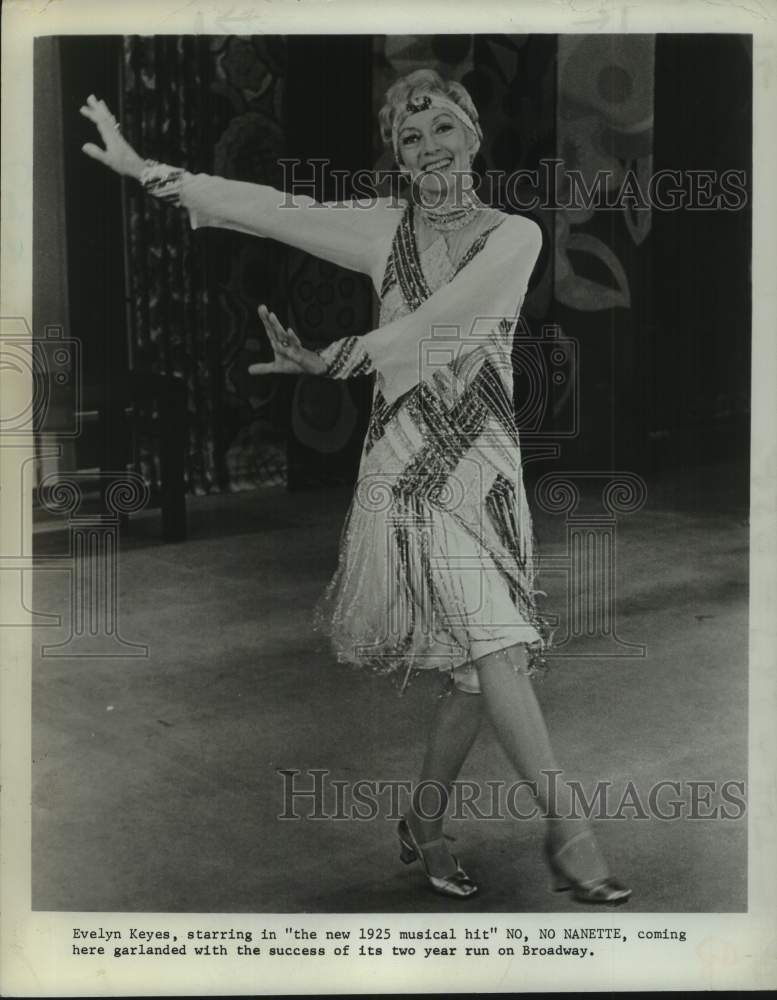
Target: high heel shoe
x,y
458,884
602,889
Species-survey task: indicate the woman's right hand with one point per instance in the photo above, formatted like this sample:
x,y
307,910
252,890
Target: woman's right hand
x,y
291,358
118,154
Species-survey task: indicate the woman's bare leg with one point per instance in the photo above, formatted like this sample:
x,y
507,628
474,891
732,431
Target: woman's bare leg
x,y
515,713
454,730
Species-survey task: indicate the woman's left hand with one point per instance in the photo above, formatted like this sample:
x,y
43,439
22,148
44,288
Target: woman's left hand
x,y
291,358
117,154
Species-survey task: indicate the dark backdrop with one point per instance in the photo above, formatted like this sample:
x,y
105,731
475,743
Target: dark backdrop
x,y
672,389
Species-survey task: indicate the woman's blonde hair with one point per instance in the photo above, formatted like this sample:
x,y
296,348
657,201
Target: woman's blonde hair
x,y
426,81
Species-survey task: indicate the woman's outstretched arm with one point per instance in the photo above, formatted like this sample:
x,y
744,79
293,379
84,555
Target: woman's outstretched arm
x,y
350,235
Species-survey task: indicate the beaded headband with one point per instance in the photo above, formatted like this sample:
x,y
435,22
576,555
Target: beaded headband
x,y
422,102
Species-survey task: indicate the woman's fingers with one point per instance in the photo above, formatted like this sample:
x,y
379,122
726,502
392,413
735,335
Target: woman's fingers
x,y
95,119
100,114
99,107
94,151
274,322
265,318
287,338
277,326
284,342
281,366
286,347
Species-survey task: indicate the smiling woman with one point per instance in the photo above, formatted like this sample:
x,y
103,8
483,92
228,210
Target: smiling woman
x,y
436,566
435,139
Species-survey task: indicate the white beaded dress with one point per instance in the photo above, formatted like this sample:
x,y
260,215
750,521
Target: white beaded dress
x,y
436,562
436,556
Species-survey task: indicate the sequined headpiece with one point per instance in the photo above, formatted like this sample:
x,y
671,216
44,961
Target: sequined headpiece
x,y
422,102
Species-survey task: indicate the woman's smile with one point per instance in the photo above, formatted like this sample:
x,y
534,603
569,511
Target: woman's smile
x,y
441,164
434,142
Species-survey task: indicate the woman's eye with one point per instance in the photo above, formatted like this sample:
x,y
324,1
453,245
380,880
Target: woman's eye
x,y
408,139
444,127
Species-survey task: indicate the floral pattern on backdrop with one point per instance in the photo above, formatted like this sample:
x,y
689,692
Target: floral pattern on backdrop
x,y
211,104
604,130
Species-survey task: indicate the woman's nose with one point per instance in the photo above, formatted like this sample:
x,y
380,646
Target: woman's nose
x,y
429,144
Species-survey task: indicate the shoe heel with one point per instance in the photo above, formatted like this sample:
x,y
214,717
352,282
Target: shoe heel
x,y
559,883
559,880
406,854
458,885
604,889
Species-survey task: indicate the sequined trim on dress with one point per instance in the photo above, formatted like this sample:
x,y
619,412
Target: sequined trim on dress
x,y
476,247
449,430
346,358
162,181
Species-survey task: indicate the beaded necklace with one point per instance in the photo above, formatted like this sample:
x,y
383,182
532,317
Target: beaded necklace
x,y
445,220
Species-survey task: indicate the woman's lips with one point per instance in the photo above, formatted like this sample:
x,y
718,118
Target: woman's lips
x,y
438,165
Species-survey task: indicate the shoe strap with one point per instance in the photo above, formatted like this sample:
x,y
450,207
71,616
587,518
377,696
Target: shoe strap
x,y
584,836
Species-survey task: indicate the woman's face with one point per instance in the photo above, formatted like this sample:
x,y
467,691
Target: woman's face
x,y
434,146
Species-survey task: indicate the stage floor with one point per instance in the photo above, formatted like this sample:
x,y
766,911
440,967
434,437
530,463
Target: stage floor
x,y
156,783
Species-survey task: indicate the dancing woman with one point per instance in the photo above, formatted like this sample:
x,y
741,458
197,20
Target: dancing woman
x,y
436,563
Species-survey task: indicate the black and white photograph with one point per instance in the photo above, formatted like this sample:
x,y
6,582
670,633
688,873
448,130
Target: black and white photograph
x,y
387,536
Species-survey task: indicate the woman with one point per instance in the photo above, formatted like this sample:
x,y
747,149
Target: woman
x,y
436,557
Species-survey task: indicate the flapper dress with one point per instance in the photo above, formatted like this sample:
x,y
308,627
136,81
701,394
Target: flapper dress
x,y
436,562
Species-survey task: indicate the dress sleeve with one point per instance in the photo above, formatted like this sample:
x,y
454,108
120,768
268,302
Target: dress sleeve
x,y
346,358
349,234
462,315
